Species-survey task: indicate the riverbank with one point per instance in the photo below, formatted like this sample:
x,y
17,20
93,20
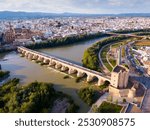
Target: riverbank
x,y
55,42
66,40
132,31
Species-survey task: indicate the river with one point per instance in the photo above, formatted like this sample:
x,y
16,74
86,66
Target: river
x,y
28,71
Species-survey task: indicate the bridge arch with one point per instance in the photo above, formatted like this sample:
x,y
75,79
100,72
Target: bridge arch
x,y
41,58
72,70
35,57
95,79
58,65
52,63
64,68
46,60
30,56
81,74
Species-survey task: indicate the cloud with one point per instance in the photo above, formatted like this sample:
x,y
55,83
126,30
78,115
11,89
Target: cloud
x,y
80,6
115,2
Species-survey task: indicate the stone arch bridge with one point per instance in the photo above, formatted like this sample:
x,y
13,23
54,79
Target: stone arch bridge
x,y
64,66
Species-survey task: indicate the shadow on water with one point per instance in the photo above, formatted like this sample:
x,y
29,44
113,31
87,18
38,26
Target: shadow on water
x,y
22,82
11,67
3,55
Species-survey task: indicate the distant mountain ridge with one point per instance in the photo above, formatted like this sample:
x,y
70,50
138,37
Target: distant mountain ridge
x,y
31,15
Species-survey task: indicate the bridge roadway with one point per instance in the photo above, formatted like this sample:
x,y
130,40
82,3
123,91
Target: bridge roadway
x,y
64,65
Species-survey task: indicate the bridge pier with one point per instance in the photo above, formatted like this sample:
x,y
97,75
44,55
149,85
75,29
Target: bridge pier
x,y
90,78
35,57
30,56
46,61
71,71
51,63
19,50
80,74
23,53
63,68
100,81
40,59
58,66
26,54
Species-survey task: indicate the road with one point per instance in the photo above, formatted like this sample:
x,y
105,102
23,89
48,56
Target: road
x,y
129,108
146,102
108,58
130,60
104,68
129,35
143,79
100,59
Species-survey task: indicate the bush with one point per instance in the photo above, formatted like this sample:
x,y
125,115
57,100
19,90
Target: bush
x,y
4,74
77,80
124,100
105,85
107,107
87,95
66,77
72,108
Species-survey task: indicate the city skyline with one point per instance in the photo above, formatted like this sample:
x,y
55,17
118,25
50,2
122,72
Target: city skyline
x,y
77,6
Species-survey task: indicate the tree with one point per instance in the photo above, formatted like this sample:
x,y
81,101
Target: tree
x,y
87,95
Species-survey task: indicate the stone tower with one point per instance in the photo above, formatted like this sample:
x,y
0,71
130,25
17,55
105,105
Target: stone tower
x,y
120,77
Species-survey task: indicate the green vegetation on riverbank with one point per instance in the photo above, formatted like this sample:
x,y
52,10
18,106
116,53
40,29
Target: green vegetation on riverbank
x,y
66,40
90,57
78,79
66,77
132,31
33,98
59,41
105,85
4,74
143,33
87,95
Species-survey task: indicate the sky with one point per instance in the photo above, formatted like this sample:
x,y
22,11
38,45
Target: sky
x,y
77,6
